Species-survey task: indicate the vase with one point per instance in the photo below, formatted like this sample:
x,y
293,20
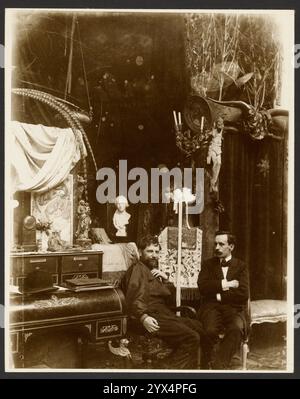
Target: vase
x,y
42,240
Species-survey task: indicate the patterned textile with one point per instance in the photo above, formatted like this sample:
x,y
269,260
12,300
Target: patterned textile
x,y
191,254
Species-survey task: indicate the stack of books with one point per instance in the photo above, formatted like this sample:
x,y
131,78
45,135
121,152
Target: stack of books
x,y
87,284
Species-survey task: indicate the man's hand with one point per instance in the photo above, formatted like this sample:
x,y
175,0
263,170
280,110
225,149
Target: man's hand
x,y
229,284
150,324
233,284
159,273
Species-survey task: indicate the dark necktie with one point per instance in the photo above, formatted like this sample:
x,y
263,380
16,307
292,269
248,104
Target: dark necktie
x,y
224,263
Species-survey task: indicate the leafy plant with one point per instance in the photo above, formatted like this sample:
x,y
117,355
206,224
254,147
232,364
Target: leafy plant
x,y
241,50
43,225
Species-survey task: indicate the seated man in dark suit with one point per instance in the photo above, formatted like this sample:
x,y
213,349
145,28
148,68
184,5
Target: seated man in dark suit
x,y
147,293
224,288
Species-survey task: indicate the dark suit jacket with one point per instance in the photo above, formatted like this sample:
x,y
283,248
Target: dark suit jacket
x,y
211,276
145,293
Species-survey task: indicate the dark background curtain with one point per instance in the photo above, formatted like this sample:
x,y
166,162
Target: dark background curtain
x,y
135,66
253,191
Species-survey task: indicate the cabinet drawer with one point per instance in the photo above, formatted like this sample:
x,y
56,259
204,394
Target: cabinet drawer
x,y
23,266
80,263
108,328
19,280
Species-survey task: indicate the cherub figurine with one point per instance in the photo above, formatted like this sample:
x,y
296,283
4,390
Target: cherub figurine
x,y
214,153
121,217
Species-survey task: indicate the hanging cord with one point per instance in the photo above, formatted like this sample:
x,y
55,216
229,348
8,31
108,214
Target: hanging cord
x,y
68,86
69,72
99,124
66,39
84,69
67,114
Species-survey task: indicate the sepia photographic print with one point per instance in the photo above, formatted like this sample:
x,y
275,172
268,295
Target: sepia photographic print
x,y
149,190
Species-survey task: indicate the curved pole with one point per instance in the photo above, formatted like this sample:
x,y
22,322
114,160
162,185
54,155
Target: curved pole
x,y
50,99
67,115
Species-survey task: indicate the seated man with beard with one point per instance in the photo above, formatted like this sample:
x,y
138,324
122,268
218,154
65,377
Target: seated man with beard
x,y
147,295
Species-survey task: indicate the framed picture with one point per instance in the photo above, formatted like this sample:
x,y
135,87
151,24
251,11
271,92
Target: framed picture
x,y
56,206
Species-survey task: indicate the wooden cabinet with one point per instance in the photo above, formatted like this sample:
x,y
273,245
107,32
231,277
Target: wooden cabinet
x,y
22,264
81,265
62,265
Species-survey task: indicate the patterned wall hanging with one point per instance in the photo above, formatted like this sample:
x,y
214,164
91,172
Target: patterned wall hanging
x,y
191,254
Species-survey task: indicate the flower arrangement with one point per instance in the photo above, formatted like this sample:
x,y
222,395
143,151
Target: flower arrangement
x,y
43,225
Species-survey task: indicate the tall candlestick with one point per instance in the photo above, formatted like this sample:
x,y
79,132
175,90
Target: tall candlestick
x,y
202,123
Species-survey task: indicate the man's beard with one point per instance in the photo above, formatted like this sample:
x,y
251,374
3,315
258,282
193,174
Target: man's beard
x,y
151,263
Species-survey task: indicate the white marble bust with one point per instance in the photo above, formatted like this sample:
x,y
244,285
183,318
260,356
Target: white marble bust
x,y
121,217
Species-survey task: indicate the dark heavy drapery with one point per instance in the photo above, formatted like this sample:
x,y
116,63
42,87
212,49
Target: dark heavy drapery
x,y
253,189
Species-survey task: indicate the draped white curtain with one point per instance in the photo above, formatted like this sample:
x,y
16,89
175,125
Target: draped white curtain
x,y
41,156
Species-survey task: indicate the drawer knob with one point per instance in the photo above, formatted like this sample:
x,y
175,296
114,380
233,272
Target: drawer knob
x,y
80,265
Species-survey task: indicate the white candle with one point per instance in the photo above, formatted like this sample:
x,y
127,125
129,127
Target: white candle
x,y
175,119
202,123
179,118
